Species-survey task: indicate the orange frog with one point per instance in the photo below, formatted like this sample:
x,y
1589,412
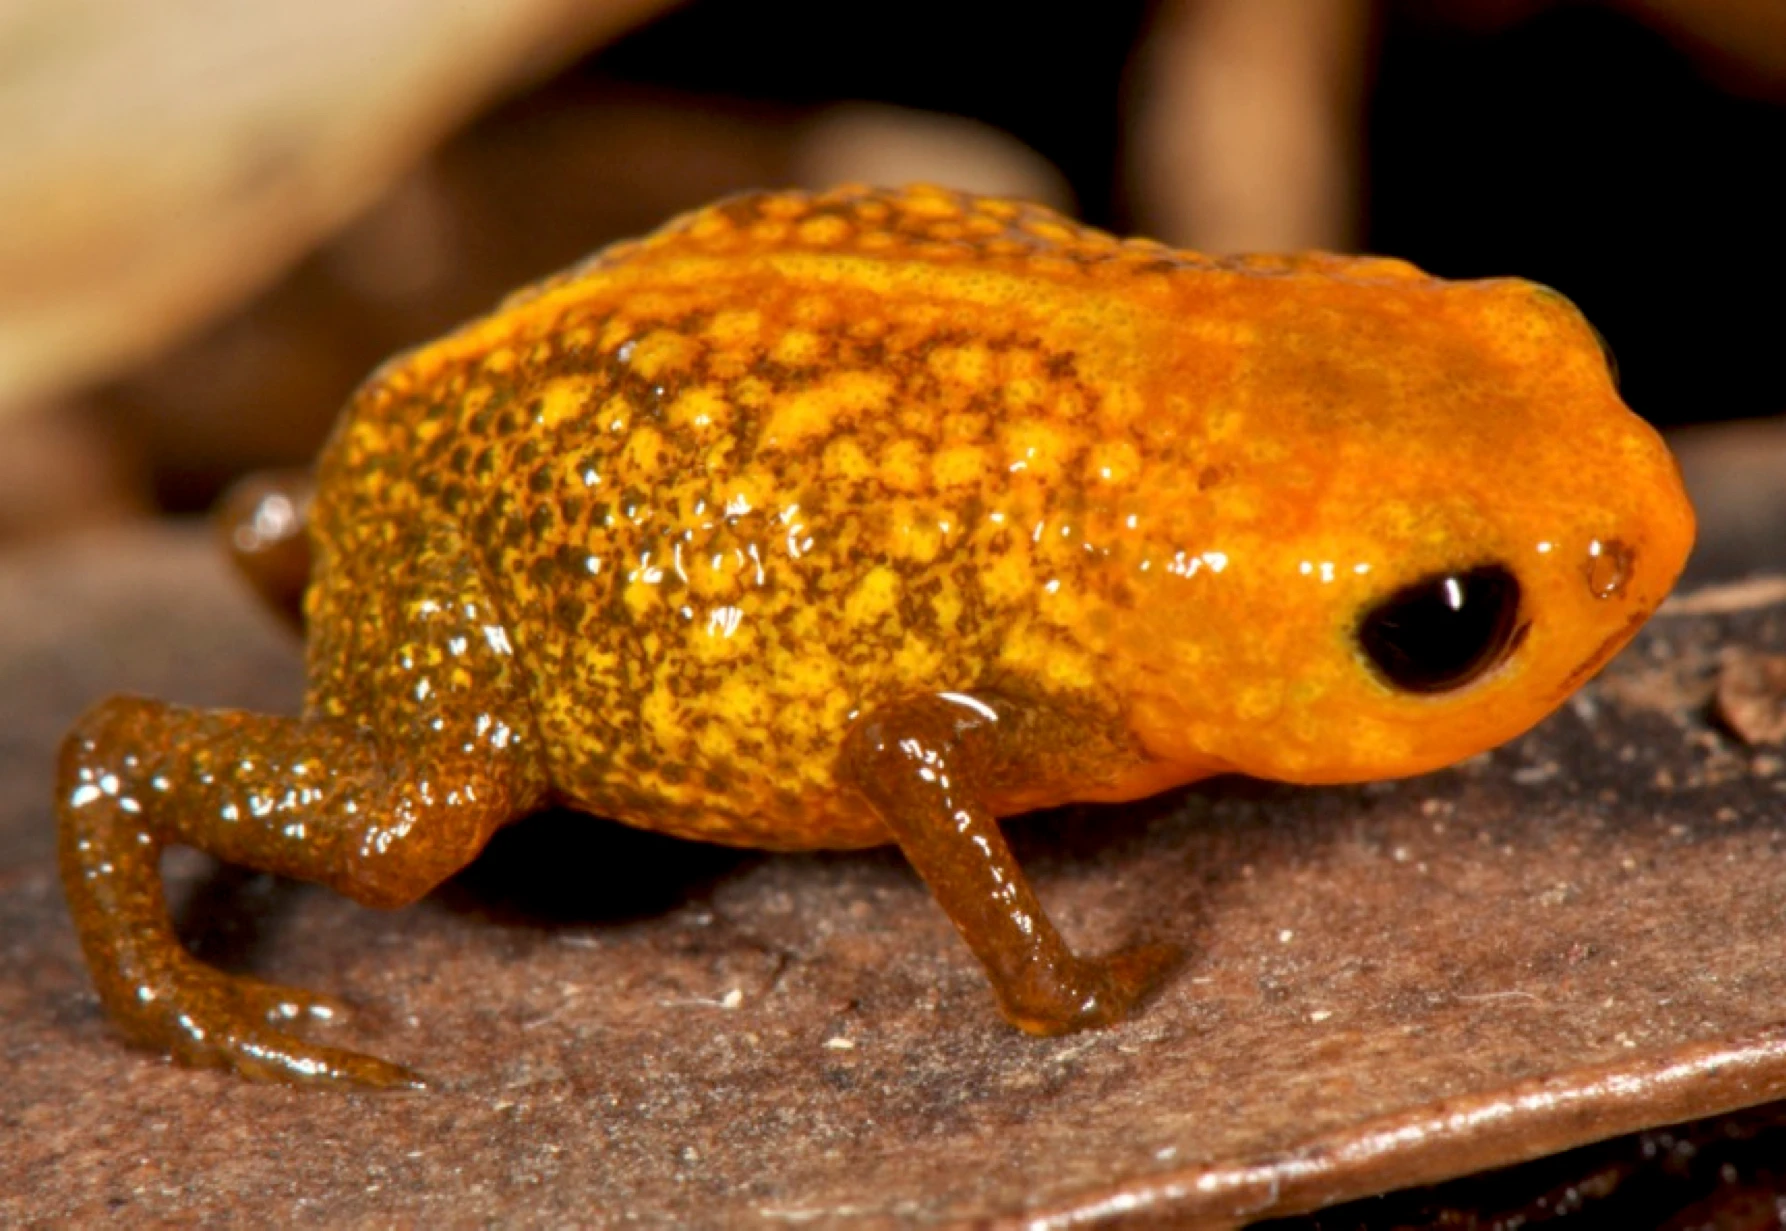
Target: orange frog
x,y
863,517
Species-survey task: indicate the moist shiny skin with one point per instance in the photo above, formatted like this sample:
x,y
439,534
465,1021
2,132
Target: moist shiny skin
x,y
826,521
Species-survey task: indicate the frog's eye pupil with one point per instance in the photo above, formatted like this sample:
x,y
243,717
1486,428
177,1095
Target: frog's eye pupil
x,y
1443,631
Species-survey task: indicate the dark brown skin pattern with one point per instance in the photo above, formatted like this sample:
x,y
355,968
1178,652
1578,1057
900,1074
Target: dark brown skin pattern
x,y
831,521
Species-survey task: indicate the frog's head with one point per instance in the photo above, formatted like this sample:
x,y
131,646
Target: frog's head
x,y
1462,525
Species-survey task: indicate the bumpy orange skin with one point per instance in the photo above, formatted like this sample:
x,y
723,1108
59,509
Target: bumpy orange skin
x,y
696,536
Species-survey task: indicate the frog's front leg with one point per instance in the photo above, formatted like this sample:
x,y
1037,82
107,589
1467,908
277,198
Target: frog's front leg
x,y
927,765
318,799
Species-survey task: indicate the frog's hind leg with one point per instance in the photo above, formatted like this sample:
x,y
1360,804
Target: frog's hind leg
x,y
381,804
264,523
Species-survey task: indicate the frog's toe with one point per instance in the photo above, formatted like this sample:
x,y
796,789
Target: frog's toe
x,y
1105,990
281,1005
268,1055
1139,971
276,1056
210,1020
1123,980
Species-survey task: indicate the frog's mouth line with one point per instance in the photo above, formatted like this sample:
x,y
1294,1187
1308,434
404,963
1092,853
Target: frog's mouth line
x,y
1602,654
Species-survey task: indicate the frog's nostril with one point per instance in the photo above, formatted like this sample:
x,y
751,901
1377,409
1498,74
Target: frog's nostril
x,y
1609,567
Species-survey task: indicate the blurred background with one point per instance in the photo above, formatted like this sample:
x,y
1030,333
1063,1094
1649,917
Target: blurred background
x,y
215,218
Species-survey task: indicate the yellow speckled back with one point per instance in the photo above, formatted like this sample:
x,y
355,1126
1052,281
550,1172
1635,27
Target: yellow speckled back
x,y
792,457
727,512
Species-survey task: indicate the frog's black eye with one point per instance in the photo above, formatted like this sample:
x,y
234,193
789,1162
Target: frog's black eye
x,y
1443,631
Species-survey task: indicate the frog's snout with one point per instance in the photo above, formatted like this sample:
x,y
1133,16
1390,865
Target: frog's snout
x,y
1620,578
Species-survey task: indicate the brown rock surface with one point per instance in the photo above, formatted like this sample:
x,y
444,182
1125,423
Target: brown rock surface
x,y
1572,938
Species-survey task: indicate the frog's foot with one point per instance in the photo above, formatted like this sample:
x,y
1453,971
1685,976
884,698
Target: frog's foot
x,y
208,1019
1091,992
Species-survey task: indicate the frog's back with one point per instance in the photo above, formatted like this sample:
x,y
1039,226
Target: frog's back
x,y
793,456
739,481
